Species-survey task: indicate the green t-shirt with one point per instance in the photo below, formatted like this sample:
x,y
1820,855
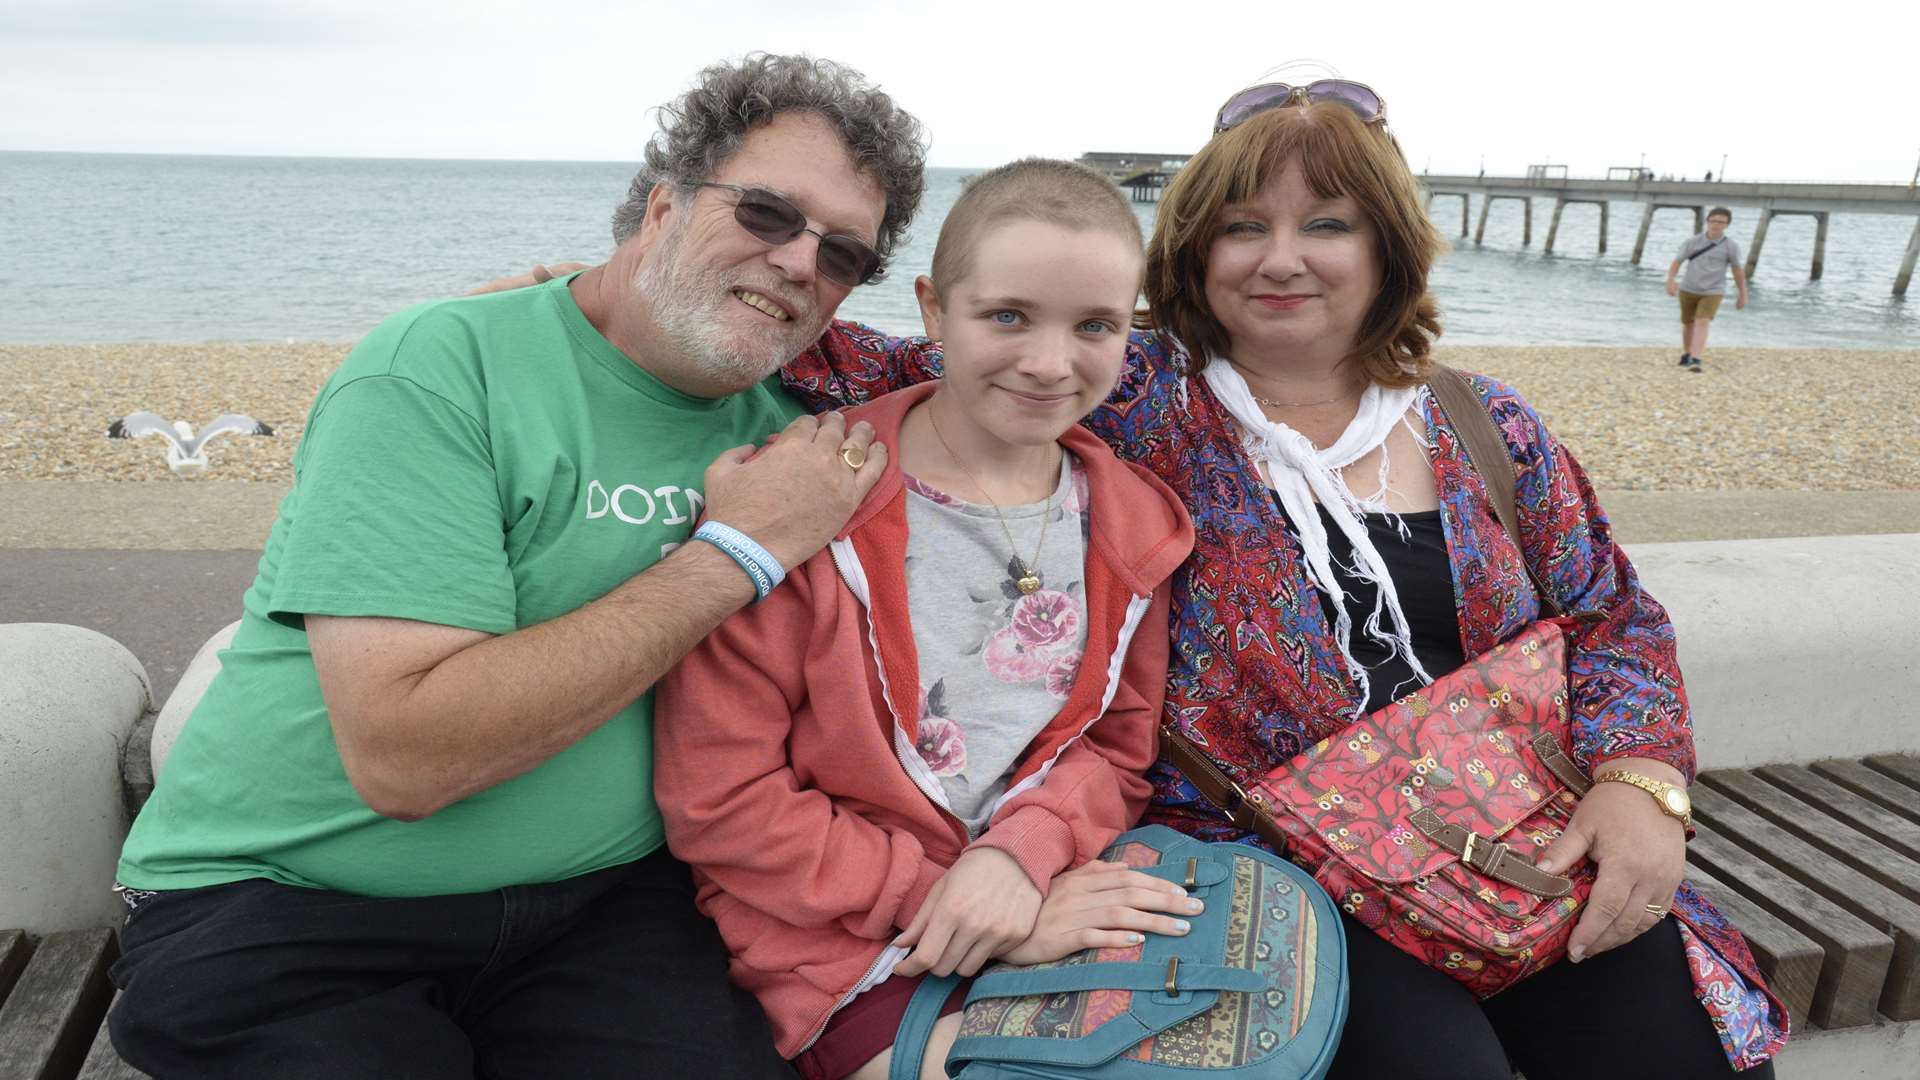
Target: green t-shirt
x,y
489,463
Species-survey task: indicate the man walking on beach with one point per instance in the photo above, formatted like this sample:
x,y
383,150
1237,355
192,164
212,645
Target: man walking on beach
x,y
1708,257
410,830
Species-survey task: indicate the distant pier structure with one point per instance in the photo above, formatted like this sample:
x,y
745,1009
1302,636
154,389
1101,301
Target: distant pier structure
x,y
1773,199
1142,174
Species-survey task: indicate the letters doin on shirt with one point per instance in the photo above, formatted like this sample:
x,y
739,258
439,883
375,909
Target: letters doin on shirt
x,y
637,505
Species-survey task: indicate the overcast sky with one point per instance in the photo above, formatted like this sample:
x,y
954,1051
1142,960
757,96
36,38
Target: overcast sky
x,y
1824,92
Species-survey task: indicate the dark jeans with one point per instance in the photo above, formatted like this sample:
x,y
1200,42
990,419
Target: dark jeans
x,y
613,974
1626,1012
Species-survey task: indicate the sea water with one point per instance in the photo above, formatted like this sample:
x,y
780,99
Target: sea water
x,y
113,248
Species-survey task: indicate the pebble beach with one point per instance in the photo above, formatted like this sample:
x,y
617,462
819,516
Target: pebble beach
x,y
1754,420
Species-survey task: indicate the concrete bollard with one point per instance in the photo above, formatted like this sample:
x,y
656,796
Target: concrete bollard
x,y
69,698
1793,650
187,693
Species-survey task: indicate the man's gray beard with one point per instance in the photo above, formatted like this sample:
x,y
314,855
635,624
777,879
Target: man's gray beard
x,y
688,306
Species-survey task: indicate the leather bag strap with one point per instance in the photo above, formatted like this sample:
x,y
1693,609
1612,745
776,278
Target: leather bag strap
x,y
916,1025
1487,451
1142,976
1247,810
1490,857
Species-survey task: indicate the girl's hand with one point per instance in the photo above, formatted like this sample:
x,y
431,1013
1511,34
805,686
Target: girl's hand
x,y
983,905
1103,905
1640,851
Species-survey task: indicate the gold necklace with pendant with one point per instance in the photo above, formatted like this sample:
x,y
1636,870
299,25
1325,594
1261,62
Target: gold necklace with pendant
x,y
1028,581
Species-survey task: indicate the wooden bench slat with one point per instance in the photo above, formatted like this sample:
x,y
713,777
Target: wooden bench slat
x,y
1884,791
1857,955
1879,906
103,1062
1902,767
1789,959
49,1020
14,950
1862,813
1827,832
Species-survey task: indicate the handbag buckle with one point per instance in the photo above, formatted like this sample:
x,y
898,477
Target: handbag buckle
x,y
1241,812
1173,975
1193,873
1494,857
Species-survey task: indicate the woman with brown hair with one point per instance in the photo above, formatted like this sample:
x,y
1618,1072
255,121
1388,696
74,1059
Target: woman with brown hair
x,y
1347,552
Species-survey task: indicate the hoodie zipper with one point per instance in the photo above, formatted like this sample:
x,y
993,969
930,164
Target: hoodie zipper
x,y
888,959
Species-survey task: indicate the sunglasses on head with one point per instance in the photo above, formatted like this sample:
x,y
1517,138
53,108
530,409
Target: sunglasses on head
x,y
1254,100
772,219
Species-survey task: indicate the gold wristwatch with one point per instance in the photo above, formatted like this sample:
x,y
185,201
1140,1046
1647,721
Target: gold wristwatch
x,y
1671,797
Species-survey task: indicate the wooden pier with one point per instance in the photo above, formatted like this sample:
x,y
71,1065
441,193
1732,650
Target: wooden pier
x,y
1816,200
1144,175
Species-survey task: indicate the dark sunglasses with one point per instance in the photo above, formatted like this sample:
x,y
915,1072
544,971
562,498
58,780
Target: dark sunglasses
x,y
1358,97
772,219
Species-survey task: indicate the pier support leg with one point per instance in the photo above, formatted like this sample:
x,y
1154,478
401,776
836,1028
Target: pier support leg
x,y
1759,240
1466,205
1526,222
1906,263
1603,227
1699,220
1486,203
1640,241
1819,245
1553,230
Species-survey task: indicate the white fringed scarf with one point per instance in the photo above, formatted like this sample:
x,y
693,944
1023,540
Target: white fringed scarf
x,y
1301,472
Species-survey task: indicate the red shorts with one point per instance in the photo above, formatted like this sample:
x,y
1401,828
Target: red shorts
x,y
858,1033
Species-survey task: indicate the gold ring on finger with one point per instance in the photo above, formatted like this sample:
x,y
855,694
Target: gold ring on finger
x,y
1657,911
854,456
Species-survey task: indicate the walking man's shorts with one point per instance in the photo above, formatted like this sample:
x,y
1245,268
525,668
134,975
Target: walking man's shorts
x,y
1698,306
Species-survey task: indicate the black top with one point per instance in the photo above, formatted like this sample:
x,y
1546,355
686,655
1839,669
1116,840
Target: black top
x,y
1424,579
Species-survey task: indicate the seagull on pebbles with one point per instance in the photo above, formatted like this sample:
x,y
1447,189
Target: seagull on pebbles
x,y
186,452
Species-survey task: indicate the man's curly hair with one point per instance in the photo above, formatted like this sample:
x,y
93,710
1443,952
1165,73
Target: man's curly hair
x,y
705,126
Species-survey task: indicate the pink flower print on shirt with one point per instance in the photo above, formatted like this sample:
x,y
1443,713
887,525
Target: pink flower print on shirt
x,y
1045,619
929,492
1061,673
938,740
941,746
1011,660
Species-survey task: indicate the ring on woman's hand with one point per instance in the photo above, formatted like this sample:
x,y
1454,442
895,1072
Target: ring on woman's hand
x,y
1657,911
854,456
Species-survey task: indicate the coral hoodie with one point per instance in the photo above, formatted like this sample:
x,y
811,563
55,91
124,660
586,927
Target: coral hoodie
x,y
785,767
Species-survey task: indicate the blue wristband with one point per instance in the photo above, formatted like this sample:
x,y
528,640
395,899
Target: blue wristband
x,y
759,564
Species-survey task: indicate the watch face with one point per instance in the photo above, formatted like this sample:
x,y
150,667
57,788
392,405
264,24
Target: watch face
x,y
1677,800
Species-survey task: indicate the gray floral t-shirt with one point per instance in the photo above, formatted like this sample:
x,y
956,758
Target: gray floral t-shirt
x,y
995,665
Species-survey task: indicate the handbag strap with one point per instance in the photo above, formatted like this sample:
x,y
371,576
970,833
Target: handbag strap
x,y
1489,455
1247,810
1143,976
916,1025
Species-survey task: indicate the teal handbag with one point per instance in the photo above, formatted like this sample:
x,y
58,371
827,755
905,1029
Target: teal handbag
x,y
1258,987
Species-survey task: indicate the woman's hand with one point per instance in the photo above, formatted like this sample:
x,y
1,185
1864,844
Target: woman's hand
x,y
535,276
981,906
1640,851
1103,905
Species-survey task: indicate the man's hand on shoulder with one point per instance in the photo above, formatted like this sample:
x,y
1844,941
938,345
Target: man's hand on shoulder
x,y
539,273
794,495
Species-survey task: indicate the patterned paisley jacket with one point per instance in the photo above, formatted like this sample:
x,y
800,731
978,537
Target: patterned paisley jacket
x,y
1255,674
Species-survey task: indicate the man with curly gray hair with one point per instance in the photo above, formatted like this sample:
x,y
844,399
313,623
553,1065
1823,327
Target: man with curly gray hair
x,y
409,830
